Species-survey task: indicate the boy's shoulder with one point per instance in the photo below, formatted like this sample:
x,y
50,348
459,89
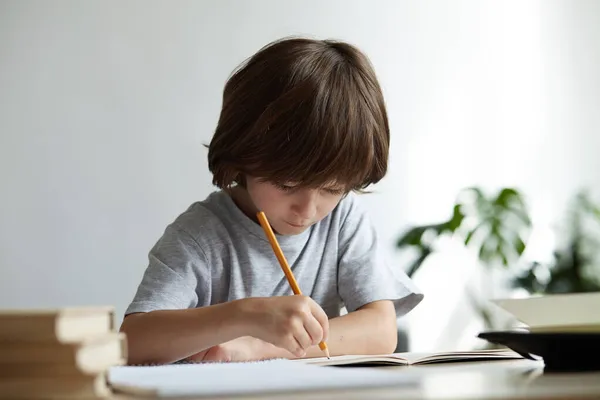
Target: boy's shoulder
x,y
205,216
350,210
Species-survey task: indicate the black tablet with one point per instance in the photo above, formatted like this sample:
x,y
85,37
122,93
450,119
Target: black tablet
x,y
559,351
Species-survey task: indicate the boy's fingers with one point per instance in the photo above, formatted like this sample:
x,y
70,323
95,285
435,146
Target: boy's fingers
x,y
314,330
303,338
198,356
322,318
296,348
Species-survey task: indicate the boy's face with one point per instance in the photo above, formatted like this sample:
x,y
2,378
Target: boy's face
x,y
291,209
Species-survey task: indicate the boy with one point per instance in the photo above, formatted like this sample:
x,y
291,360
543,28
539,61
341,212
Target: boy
x,y
303,126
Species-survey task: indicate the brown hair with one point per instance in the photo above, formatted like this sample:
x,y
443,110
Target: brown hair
x,y
304,111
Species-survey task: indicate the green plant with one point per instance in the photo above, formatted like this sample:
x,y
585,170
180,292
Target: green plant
x,y
575,265
495,227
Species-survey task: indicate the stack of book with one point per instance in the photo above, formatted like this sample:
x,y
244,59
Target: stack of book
x,y
556,313
58,353
563,330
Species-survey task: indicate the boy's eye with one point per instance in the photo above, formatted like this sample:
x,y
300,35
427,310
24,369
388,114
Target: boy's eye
x,y
285,188
335,192
291,187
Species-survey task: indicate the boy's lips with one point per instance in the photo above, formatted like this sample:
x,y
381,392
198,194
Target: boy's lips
x,y
297,225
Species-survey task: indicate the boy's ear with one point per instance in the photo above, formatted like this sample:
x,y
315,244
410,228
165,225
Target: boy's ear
x,y
240,179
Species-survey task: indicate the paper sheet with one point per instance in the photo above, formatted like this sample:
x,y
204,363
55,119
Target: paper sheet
x,y
247,378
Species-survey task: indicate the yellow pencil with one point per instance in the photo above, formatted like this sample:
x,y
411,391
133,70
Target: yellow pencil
x,y
262,218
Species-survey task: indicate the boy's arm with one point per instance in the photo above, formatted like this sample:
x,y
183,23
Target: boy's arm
x,y
371,329
294,323
165,336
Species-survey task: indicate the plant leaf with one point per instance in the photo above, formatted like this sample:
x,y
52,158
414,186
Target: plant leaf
x,y
505,196
503,258
456,220
412,237
415,265
520,213
519,245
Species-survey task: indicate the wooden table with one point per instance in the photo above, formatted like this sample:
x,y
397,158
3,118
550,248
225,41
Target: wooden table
x,y
512,379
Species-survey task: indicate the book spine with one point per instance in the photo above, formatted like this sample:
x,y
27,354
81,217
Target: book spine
x,y
19,328
52,388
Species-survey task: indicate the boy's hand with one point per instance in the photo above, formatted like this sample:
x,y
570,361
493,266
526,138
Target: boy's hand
x,y
294,323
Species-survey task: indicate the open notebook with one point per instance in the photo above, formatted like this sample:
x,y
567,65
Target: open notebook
x,y
414,358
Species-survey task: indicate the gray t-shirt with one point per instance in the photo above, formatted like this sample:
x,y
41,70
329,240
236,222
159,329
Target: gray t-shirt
x,y
214,253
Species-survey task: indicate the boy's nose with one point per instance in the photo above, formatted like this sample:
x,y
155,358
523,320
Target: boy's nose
x,y
305,206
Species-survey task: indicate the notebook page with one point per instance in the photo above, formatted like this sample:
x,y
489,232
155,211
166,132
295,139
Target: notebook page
x,y
456,356
354,359
214,379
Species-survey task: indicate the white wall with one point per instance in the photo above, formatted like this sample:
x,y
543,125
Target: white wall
x,y
104,107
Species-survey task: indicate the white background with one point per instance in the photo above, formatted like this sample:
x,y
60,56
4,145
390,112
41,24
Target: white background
x,y
105,107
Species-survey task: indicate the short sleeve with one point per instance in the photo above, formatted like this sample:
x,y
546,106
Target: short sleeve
x,y
176,273
364,275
